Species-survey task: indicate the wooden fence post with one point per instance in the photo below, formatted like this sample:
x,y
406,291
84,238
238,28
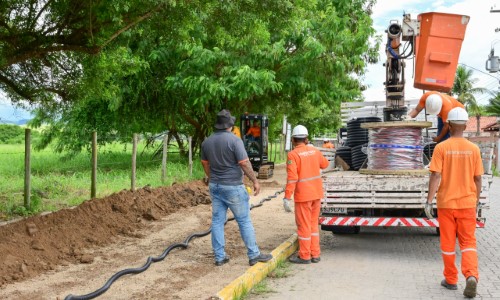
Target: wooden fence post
x,y
93,179
164,159
27,168
134,161
190,157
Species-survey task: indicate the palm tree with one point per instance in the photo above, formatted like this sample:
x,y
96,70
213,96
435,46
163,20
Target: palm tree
x,y
494,106
464,88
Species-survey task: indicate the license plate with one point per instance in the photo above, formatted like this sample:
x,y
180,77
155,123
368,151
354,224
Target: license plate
x,y
337,210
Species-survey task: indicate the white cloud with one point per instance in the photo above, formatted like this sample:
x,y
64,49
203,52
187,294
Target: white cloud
x,y
476,46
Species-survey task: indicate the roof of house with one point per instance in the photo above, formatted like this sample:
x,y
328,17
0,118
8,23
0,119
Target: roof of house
x,y
483,122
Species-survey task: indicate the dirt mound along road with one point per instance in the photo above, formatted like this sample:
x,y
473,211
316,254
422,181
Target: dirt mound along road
x,y
131,234
42,242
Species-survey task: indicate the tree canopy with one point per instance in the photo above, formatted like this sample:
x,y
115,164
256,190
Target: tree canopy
x,y
148,66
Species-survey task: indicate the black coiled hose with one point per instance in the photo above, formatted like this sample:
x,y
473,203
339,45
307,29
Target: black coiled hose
x,y
151,259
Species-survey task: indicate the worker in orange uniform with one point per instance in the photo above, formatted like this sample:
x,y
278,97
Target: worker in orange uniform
x,y
439,104
456,168
254,131
304,182
328,144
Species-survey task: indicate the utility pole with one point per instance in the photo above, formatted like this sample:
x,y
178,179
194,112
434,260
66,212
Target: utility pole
x,y
493,62
495,10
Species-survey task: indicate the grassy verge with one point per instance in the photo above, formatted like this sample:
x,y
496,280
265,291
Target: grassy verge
x,y
58,182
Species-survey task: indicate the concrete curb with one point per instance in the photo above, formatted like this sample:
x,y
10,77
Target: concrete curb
x,y
258,272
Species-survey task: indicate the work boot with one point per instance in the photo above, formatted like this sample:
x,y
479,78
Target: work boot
x,y
316,259
221,262
470,287
298,260
448,285
260,258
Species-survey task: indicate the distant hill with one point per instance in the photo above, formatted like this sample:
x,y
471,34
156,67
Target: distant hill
x,y
22,121
16,122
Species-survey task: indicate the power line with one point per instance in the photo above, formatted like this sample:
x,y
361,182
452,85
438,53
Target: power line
x,y
480,71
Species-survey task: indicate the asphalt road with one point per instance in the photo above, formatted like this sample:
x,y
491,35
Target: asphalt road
x,y
392,263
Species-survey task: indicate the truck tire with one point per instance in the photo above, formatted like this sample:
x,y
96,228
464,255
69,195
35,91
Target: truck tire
x,y
341,229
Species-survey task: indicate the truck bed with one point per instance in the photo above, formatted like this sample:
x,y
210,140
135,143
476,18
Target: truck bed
x,y
346,191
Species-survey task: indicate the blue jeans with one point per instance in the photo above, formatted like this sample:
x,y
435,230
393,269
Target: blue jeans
x,y
234,197
440,128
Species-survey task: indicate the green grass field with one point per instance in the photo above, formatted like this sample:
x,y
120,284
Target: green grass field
x,y
58,182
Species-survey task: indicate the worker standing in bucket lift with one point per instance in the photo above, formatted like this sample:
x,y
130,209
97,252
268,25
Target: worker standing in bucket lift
x,y
439,104
304,182
223,157
456,168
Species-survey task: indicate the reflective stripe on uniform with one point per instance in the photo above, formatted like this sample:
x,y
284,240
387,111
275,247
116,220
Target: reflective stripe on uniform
x,y
291,181
315,233
308,179
448,253
304,238
469,249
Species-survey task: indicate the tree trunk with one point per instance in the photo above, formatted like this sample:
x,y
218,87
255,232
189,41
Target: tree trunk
x,y
478,130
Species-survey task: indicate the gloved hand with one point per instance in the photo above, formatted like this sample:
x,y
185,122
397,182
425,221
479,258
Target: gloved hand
x,y
406,118
429,210
286,205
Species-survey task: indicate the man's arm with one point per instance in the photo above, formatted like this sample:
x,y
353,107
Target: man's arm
x,y
434,180
206,168
415,111
478,181
246,166
444,131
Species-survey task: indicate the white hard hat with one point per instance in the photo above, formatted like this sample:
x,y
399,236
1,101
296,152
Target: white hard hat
x,y
433,104
299,131
458,115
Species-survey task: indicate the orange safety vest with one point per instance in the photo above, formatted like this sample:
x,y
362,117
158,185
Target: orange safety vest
x,y
303,173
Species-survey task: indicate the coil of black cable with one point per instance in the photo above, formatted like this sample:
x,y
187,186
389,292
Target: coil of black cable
x,y
344,152
429,150
356,135
358,156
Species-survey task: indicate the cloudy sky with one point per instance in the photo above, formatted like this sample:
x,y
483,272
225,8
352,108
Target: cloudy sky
x,y
479,36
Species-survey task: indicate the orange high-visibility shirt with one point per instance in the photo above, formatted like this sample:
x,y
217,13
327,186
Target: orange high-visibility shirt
x,y
458,160
303,173
328,145
254,131
448,104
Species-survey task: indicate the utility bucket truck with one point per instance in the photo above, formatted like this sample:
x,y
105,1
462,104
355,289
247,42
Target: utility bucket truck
x,y
379,189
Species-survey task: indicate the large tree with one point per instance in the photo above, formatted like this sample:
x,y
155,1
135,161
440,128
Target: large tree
x,y
465,89
276,57
42,41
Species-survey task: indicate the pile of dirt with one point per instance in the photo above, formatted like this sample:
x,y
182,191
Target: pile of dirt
x,y
41,243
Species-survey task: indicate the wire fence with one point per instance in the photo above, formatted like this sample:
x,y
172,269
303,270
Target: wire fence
x,y
108,167
128,161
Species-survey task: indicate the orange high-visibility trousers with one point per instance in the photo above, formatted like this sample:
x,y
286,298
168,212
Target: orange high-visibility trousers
x,y
459,223
306,218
